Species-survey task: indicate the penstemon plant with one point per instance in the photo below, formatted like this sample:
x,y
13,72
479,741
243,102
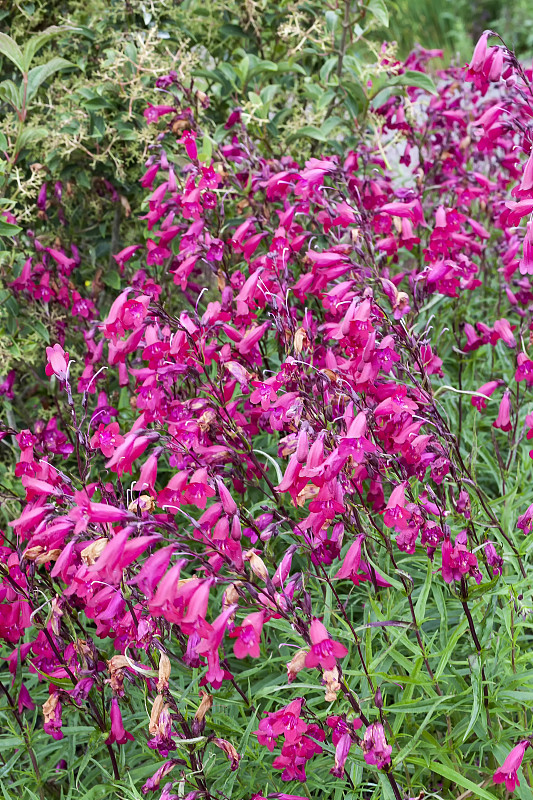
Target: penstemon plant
x,y
275,528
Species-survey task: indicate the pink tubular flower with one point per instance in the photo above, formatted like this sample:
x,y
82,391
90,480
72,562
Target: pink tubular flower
x,y
526,262
525,521
324,650
107,439
504,331
503,420
507,772
188,138
480,53
396,515
287,722
341,754
487,389
152,113
249,636
126,254
57,362
118,734
351,563
375,748
457,560
211,639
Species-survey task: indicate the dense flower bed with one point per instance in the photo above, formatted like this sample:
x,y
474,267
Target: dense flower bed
x,y
276,525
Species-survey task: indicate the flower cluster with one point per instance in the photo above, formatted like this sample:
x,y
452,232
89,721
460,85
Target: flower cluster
x,y
256,453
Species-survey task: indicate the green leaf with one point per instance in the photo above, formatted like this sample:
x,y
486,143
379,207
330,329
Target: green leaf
x,y
62,683
412,77
8,229
420,605
455,777
477,691
11,93
33,45
290,66
10,49
112,279
205,152
332,20
30,135
38,75
452,641
42,331
309,131
273,462
379,10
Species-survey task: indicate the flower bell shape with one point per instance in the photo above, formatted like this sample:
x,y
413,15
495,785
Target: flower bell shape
x,y
118,734
507,772
57,362
324,650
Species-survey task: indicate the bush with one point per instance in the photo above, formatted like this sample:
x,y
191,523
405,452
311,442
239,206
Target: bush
x,y
269,531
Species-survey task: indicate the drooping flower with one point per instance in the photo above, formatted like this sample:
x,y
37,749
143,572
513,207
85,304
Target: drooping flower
x,y
375,748
352,562
118,734
503,420
507,773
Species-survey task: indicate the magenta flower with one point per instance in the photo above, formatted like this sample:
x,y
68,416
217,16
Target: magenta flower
x,y
341,754
526,262
57,362
396,516
6,387
107,438
324,650
487,389
375,748
263,393
152,113
211,639
352,562
188,138
118,734
287,721
126,254
507,773
249,636
525,521
458,561
503,420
